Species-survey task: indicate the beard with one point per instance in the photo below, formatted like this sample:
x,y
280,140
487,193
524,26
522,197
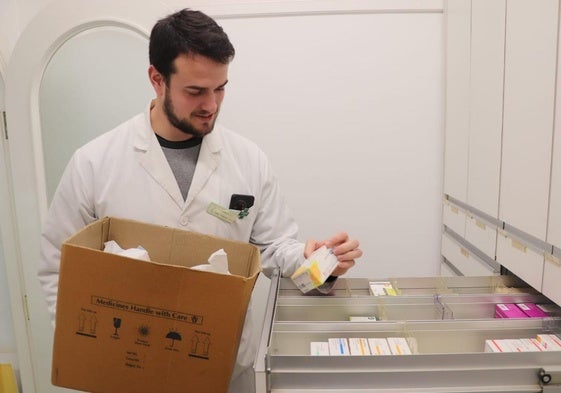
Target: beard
x,y
184,125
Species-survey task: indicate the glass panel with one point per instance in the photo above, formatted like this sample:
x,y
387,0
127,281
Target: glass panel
x,y
7,338
95,80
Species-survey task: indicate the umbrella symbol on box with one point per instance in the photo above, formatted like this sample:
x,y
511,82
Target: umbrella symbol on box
x,y
173,336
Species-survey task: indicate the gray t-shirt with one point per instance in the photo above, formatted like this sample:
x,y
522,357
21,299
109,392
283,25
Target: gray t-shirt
x,y
182,158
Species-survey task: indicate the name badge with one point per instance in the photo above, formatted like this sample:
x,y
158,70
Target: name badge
x,y
222,213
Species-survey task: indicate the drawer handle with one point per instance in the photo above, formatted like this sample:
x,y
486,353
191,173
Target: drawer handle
x,y
553,259
519,246
480,224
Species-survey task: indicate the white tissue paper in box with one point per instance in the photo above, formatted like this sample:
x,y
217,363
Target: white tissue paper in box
x,y
112,247
217,263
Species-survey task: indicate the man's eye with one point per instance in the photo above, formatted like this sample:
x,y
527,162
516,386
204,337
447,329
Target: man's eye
x,y
194,92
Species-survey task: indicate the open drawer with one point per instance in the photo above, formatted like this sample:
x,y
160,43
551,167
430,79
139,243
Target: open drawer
x,y
445,321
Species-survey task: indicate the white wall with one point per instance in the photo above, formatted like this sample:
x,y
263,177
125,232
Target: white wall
x,y
354,131
14,16
9,27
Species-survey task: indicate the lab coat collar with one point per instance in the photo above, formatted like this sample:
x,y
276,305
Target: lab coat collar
x,y
209,159
154,162
152,158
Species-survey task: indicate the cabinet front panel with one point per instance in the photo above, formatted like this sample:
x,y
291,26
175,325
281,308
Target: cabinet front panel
x,y
454,218
457,99
530,63
554,223
482,235
552,279
486,104
462,259
521,260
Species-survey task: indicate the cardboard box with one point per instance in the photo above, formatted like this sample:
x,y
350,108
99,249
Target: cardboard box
x,y
126,325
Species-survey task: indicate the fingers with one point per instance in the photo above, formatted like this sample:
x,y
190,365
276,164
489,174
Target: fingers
x,y
345,249
337,239
311,246
343,267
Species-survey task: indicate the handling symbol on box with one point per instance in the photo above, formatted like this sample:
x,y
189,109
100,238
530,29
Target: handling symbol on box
x,y
116,325
87,325
173,336
144,331
200,348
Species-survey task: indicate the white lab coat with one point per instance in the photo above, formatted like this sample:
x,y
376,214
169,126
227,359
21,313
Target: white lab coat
x,y
124,173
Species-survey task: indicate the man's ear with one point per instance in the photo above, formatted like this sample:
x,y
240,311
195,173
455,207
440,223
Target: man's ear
x,y
157,80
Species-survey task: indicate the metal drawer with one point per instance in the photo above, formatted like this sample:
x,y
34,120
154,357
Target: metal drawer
x,y
447,319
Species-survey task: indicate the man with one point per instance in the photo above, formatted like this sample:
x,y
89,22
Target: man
x,y
168,165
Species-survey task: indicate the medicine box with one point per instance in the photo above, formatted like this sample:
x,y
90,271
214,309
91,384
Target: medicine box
x,y
508,310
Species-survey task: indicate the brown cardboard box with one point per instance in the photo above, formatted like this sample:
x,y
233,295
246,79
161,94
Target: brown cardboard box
x,y
126,325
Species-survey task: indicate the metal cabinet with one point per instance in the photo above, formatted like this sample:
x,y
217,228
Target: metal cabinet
x,y
446,321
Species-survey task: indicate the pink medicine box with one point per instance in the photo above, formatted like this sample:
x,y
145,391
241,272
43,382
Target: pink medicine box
x,y
531,310
508,310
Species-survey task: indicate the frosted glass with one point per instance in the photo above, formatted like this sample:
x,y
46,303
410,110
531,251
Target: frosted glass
x,y
95,80
7,338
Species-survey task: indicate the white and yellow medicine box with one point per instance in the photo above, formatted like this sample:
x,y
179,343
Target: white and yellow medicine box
x,y
379,346
359,346
532,345
382,288
399,346
550,342
315,270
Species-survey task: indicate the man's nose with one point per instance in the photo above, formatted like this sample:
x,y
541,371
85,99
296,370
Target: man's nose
x,y
210,103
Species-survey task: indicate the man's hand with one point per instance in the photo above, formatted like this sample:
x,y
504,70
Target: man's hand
x,y
345,249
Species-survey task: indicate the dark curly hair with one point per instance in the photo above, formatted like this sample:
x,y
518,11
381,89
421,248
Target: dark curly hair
x,y
187,32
